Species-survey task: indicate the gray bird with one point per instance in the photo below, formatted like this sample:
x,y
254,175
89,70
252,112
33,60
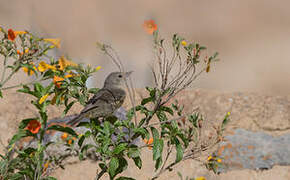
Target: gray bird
x,y
106,100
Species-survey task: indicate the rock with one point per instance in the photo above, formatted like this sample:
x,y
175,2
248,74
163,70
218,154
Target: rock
x,y
253,150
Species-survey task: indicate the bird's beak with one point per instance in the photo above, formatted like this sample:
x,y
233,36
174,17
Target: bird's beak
x,y
127,74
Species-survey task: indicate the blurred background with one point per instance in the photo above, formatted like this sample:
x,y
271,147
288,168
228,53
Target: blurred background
x,y
252,37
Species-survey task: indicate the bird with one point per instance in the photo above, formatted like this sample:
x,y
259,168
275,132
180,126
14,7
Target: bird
x,y
106,100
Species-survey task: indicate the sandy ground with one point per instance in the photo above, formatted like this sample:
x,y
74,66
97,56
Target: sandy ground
x,y
267,112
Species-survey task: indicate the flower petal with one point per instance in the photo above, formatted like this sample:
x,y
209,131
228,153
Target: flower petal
x,y
55,42
43,98
11,35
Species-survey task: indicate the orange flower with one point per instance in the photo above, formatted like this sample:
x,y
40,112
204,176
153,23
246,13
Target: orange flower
x,y
11,35
63,63
150,26
64,136
69,141
57,81
33,126
149,142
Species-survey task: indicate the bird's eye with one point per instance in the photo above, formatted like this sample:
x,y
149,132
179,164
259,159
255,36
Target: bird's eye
x,y
120,76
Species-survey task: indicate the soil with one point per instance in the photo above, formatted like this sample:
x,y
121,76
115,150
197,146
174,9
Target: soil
x,y
250,111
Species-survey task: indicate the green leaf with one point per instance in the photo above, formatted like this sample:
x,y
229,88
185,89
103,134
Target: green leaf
x,y
1,95
120,148
63,129
102,166
86,147
161,116
157,146
81,140
158,163
43,116
16,176
179,150
68,107
93,90
123,164
146,100
133,153
184,139
47,89
143,132
167,109
38,88
180,175
49,178
225,121
20,134
26,90
113,166
138,162
124,178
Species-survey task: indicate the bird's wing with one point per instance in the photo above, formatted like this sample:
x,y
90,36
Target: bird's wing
x,y
103,96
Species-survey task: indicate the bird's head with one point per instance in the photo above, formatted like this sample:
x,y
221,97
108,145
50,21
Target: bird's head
x,y
116,79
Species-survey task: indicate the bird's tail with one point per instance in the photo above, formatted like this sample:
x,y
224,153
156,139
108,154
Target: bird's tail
x,y
75,120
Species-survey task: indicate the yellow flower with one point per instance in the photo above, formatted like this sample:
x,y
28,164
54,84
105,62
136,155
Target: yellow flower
x,y
209,158
68,76
45,166
63,63
19,32
29,72
98,68
219,160
43,98
26,50
184,43
229,113
200,178
43,67
55,42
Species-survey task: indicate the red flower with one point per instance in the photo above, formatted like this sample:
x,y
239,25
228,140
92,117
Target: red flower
x,y
11,35
33,126
150,26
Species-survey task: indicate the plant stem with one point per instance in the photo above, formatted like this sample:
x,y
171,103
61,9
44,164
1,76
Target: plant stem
x,y
4,70
99,175
10,75
19,85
